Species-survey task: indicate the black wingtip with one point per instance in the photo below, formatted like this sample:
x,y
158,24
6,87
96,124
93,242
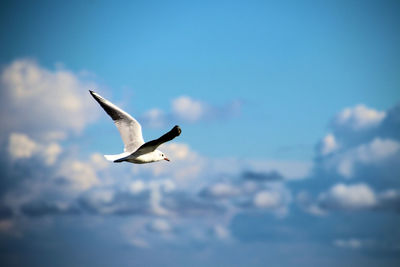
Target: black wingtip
x,y
91,92
177,129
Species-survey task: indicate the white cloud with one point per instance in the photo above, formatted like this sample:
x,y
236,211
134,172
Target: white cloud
x,y
102,196
168,185
351,198
136,187
156,199
51,153
378,149
188,109
39,107
359,117
221,190
21,146
348,197
161,225
307,204
80,175
328,145
178,150
42,102
373,153
222,232
267,199
98,161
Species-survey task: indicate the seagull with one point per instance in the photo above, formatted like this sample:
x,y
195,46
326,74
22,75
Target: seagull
x,y
135,149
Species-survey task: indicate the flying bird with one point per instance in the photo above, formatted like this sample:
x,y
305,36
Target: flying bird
x,y
135,149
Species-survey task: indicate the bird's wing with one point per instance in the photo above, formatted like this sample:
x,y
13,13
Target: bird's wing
x,y
152,145
128,127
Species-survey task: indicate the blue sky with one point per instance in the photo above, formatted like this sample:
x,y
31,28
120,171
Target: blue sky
x,y
290,119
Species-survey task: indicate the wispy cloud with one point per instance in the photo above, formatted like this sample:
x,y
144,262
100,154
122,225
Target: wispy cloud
x,y
185,109
351,243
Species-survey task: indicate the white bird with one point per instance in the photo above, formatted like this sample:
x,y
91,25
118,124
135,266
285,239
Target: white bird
x,y
135,149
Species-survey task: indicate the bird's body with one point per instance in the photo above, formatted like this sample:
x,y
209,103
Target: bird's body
x,y
145,158
135,149
141,159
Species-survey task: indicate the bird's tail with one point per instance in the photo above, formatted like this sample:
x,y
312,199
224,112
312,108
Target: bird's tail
x,y
117,158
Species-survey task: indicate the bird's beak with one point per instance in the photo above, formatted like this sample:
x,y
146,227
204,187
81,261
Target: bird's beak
x,y
166,159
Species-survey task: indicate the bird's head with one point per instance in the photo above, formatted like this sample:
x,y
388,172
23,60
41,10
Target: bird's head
x,y
162,156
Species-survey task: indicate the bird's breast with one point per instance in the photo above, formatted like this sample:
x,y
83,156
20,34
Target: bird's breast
x,y
145,158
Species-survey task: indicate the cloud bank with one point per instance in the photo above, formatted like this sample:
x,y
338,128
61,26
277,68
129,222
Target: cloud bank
x,y
197,198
